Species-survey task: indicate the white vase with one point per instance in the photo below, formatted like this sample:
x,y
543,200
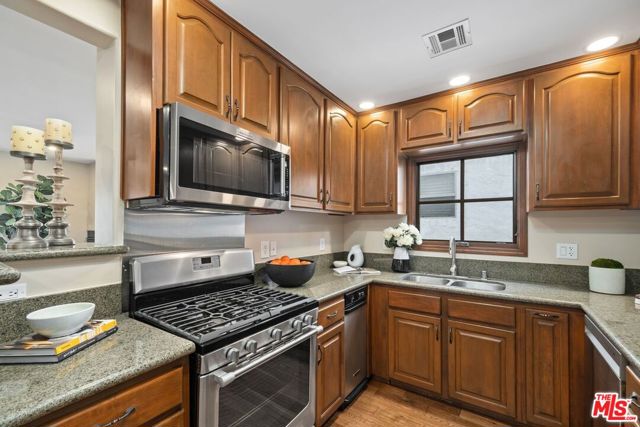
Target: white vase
x,y
355,257
607,280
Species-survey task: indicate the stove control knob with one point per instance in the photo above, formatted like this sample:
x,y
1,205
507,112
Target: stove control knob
x,y
251,346
276,334
232,355
297,325
307,319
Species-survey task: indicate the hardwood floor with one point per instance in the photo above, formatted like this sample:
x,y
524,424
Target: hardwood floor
x,y
383,405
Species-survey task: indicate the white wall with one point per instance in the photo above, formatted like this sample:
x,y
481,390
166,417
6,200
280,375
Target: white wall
x,y
78,189
598,233
296,233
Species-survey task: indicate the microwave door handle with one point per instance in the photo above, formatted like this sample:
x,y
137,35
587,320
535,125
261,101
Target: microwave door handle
x,y
224,378
283,174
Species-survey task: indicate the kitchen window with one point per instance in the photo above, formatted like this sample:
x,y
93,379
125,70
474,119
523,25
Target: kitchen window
x,y
477,198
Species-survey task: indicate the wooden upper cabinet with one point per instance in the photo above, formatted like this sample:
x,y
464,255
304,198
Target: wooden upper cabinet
x,y
427,123
340,159
197,53
414,350
580,150
547,368
255,88
377,163
301,127
482,366
491,109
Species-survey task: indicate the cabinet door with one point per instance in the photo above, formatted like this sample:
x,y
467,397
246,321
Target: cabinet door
x,y
197,54
330,373
547,372
427,123
377,162
414,350
490,109
340,159
482,368
255,88
581,142
301,127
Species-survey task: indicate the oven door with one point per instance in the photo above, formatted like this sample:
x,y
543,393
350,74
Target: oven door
x,y
212,162
276,389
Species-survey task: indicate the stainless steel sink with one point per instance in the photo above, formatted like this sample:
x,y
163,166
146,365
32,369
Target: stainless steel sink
x,y
479,286
428,280
454,282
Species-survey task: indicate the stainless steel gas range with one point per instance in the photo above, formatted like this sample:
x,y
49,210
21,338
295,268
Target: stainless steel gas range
x,y
255,360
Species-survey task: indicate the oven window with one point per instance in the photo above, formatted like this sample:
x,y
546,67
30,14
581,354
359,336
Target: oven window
x,y
271,395
215,161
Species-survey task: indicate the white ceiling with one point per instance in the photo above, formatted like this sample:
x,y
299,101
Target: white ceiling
x,y
46,73
372,49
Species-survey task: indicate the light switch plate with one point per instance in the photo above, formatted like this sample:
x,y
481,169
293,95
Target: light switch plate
x,y
567,250
273,248
322,244
264,249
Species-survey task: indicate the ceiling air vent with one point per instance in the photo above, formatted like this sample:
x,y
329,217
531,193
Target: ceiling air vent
x,y
448,38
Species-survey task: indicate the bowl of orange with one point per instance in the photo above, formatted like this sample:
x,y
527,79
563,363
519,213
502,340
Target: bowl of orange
x,y
290,272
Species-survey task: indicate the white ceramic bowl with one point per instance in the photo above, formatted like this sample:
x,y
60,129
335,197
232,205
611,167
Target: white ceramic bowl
x,y
339,264
60,320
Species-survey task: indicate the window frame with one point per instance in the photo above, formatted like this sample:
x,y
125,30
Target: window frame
x,y
517,248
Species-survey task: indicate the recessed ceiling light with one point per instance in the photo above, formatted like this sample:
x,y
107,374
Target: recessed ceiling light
x,y
459,80
366,105
603,43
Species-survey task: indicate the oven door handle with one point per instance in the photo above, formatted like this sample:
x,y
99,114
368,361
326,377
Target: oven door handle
x,y
224,378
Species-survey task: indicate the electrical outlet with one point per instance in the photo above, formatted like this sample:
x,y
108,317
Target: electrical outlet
x,y
567,250
273,249
322,244
13,291
264,249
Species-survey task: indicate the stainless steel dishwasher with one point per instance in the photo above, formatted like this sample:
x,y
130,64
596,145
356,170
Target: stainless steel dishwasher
x,y
355,343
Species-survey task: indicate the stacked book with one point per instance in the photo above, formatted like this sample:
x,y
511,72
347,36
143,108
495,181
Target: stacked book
x,y
36,348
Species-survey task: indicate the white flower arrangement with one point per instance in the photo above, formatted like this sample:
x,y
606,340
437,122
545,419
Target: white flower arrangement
x,y
402,236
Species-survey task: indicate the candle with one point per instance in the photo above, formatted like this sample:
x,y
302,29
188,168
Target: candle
x,y
57,130
27,140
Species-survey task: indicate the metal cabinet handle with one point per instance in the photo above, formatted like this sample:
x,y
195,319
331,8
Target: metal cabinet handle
x,y
547,315
450,336
320,354
326,197
448,129
634,399
321,195
332,315
391,197
538,192
236,109
437,333
228,101
460,128
121,418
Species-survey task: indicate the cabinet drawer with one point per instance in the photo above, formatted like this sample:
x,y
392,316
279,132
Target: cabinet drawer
x,y
414,301
331,312
633,392
143,402
497,314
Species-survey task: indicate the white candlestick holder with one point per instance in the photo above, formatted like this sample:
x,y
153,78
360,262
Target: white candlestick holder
x,y
28,227
58,226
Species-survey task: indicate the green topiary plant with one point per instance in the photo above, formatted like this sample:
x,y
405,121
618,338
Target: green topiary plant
x,y
606,263
12,193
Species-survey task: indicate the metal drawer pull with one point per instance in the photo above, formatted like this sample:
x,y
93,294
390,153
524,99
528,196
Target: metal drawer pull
x,y
320,353
332,315
355,374
437,333
547,315
237,109
450,336
634,399
228,99
115,421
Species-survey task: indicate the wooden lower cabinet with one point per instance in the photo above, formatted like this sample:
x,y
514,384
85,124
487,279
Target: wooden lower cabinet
x,y
547,367
330,373
159,398
482,366
415,351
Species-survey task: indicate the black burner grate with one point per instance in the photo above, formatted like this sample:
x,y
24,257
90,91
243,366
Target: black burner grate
x,y
209,316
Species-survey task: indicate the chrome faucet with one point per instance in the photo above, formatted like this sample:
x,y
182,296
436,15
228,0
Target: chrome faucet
x,y
452,251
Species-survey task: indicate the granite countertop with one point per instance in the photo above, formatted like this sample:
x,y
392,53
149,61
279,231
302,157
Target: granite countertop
x,y
616,315
80,249
28,392
8,274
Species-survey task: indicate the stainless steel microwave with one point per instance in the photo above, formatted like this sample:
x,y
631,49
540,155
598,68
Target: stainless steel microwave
x,y
207,164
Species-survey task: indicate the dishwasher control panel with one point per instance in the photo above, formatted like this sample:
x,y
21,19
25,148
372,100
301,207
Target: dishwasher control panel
x,y
355,299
